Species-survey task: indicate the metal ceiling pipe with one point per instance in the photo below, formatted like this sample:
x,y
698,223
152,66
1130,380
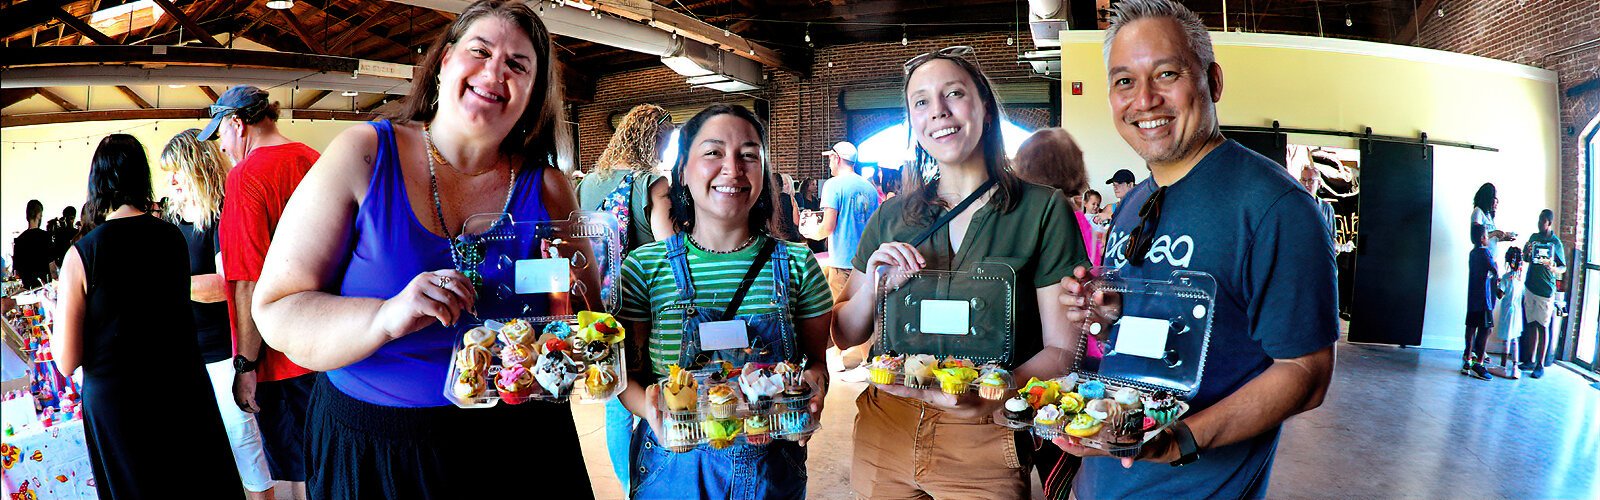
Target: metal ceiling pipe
x,y
580,24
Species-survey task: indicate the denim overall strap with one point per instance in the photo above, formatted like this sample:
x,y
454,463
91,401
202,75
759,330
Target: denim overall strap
x,y
678,259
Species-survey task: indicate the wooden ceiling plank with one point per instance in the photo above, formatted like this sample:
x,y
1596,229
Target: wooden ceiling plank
x,y
64,104
13,96
313,98
300,31
188,24
210,92
1413,29
80,26
385,12
134,96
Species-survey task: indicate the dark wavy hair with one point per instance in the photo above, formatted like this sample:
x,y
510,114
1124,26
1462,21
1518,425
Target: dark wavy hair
x,y
682,211
1478,233
119,174
1513,257
538,134
923,204
1484,199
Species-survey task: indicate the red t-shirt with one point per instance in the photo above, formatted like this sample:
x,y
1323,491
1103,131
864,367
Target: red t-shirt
x,y
258,188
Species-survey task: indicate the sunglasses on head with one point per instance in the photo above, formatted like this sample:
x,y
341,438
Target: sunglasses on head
x,y
1143,236
956,51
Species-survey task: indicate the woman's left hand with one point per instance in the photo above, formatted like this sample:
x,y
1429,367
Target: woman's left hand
x,y
966,405
817,376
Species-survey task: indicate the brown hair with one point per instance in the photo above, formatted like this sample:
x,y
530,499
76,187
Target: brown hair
x,y
1050,157
923,202
633,145
539,130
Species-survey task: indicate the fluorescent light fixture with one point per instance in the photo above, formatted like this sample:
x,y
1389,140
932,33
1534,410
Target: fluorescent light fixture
x,y
707,79
577,5
685,66
280,4
176,86
348,93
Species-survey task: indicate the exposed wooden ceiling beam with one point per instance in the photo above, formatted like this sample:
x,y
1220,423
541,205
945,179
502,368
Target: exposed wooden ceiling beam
x,y
384,12
13,96
164,114
648,12
134,96
80,26
63,103
1413,29
209,92
183,20
312,99
300,31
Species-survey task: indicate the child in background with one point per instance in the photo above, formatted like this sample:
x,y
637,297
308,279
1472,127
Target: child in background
x,y
1482,285
1508,315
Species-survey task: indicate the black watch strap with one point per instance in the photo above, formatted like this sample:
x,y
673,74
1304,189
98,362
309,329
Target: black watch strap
x,y
242,364
1187,449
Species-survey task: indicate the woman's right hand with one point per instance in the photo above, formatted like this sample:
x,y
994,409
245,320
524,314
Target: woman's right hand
x,y
652,411
431,296
898,256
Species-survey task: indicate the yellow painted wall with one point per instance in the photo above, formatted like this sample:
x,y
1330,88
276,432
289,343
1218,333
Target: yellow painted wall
x,y
56,171
1333,84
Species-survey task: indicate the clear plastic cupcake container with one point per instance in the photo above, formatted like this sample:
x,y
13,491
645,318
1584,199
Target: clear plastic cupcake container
x,y
784,416
612,366
1151,340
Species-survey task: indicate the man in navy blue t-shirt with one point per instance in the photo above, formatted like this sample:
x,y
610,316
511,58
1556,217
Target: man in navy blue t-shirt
x,y
1211,205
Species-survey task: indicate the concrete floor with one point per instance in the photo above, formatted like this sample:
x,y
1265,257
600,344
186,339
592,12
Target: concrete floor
x,y
1398,423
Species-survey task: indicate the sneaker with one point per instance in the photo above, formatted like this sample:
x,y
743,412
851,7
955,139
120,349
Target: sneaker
x,y
1538,372
1527,367
1479,372
1466,367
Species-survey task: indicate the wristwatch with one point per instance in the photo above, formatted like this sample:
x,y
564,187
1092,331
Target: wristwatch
x,y
242,364
1187,449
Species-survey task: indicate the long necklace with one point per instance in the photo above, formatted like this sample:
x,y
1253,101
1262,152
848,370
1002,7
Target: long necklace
x,y
435,156
433,183
742,246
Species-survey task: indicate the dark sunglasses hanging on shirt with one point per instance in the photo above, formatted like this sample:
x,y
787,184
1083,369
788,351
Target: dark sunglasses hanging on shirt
x,y
1144,235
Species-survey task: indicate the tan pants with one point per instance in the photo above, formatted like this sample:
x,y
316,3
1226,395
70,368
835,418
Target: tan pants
x,y
907,450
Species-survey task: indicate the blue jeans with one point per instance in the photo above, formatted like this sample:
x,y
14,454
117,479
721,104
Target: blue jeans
x,y
619,436
739,472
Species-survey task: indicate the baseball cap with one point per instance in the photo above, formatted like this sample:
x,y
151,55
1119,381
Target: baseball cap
x,y
844,149
239,97
1123,175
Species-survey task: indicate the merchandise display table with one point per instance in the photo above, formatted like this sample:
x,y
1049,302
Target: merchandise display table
x,y
50,463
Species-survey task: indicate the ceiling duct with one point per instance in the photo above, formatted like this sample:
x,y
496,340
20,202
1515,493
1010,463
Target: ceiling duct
x,y
1046,20
706,66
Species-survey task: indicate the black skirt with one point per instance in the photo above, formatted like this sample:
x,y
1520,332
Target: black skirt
x,y
361,450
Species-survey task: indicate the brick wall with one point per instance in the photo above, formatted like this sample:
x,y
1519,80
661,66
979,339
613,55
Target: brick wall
x,y
1540,33
804,117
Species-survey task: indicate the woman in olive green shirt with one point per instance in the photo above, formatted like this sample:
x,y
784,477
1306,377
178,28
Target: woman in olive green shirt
x,y
957,452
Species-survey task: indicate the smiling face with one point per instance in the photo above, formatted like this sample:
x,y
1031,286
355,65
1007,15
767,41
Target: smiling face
x,y
486,77
723,172
1309,178
1162,98
947,115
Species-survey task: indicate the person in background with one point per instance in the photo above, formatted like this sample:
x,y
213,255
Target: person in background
x,y
267,169
1482,288
1121,182
31,252
360,282
1210,205
123,315
1097,227
1091,202
784,223
198,172
923,443
1051,158
65,233
848,201
1508,315
1484,204
624,183
1311,179
1547,261
722,206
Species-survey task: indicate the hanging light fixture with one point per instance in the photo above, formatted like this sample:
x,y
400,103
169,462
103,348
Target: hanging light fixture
x,y
348,93
280,4
904,40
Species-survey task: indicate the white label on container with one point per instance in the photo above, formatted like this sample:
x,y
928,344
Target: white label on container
x,y
1142,337
543,276
720,335
946,317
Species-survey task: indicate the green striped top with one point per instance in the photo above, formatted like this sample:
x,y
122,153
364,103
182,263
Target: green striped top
x,y
716,278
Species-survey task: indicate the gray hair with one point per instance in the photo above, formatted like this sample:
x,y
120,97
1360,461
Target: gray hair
x,y
1125,12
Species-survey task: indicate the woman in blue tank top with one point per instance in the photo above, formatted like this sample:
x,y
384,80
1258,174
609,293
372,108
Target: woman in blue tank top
x,y
360,284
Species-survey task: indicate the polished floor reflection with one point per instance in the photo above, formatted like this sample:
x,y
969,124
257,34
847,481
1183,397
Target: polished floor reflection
x,y
1398,423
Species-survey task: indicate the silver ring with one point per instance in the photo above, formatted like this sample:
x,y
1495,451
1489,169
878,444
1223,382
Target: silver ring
x,y
444,281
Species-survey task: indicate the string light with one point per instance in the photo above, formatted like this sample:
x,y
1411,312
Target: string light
x,y
904,40
808,33
1011,41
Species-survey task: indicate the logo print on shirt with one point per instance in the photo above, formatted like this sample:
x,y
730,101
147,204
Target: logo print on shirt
x,y
1165,248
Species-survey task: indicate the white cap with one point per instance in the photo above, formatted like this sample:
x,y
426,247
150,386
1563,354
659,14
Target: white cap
x,y
844,149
